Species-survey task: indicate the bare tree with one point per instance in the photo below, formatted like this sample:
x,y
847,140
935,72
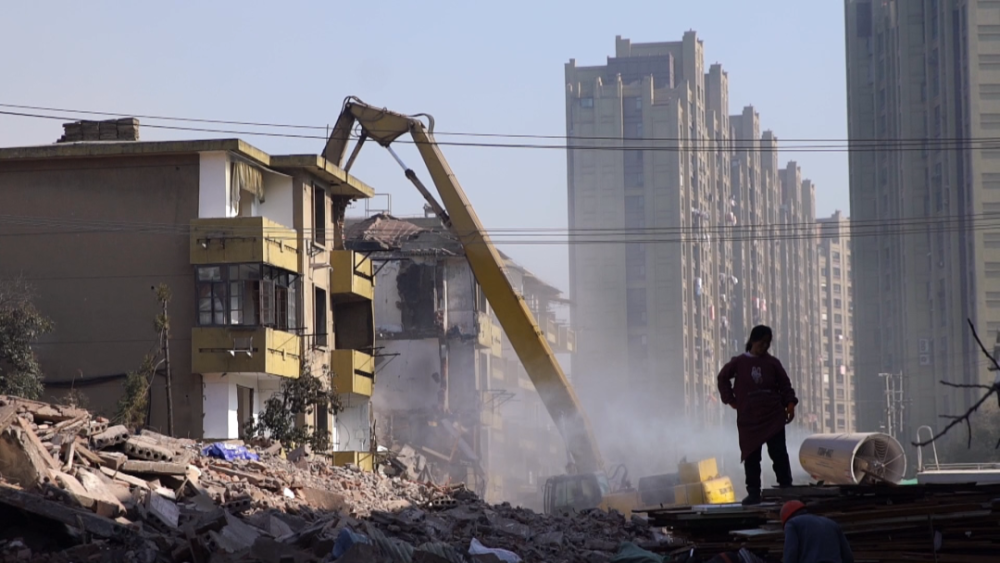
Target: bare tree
x,y
135,402
991,391
21,323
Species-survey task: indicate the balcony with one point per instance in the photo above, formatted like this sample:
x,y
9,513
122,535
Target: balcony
x,y
550,329
490,335
250,350
351,277
237,240
353,372
363,460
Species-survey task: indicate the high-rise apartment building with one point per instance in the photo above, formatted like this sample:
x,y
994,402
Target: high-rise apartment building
x,y
836,310
924,73
689,196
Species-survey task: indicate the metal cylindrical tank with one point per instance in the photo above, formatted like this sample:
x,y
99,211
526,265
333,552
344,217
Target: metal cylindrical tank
x,y
853,459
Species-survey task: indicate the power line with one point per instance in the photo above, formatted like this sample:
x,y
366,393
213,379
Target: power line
x,y
795,232
696,145
852,225
481,134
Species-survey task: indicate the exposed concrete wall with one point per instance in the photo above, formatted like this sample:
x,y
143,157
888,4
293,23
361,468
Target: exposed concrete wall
x,y
411,380
351,430
462,300
93,277
388,315
278,195
213,195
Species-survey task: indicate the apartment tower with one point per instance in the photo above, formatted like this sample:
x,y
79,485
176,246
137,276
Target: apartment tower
x,y
927,73
665,282
836,316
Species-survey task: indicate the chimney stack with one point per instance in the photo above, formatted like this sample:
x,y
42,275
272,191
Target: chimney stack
x,y
125,129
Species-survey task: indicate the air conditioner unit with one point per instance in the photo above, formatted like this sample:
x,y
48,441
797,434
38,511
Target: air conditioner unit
x,y
925,359
925,346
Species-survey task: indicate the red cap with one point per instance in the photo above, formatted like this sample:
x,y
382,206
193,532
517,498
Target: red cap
x,y
789,509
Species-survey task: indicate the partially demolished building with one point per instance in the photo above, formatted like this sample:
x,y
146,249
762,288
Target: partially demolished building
x,y
454,402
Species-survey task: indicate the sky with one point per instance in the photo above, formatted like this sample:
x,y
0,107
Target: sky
x,y
476,67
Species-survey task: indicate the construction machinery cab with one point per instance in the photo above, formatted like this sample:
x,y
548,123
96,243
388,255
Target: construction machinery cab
x,y
580,491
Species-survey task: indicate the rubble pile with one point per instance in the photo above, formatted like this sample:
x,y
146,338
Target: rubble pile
x,y
77,488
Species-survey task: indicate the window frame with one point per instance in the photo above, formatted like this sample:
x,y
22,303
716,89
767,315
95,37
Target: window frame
x,y
270,282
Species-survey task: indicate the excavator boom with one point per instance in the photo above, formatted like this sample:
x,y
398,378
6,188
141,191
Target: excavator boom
x,y
384,127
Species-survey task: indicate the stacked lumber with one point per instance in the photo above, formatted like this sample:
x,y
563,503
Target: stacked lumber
x,y
884,524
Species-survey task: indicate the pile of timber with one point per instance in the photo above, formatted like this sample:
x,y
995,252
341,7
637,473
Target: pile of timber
x,y
951,523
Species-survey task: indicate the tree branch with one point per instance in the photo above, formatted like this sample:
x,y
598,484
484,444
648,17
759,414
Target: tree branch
x,y
991,390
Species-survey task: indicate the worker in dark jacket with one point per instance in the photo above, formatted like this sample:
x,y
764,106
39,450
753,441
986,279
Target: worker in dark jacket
x,y
765,402
812,539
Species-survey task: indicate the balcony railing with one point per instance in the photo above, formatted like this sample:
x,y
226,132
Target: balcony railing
x,y
238,240
363,460
251,350
353,372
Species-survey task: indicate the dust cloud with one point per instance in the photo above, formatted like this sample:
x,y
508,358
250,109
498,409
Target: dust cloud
x,y
650,437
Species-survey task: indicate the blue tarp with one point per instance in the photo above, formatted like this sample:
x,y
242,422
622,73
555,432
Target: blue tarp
x,y
229,452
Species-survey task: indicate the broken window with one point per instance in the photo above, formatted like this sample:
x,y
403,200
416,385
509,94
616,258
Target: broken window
x,y
247,295
319,215
320,306
211,296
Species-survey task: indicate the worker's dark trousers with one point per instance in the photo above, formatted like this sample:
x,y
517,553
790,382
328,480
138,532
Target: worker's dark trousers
x,y
778,453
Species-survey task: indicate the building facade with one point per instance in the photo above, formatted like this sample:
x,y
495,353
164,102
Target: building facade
x,y
250,245
927,73
836,317
688,196
453,397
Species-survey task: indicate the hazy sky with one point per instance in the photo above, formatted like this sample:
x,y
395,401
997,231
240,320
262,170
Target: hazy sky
x,y
482,67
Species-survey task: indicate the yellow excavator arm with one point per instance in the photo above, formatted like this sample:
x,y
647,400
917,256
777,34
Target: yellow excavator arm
x,y
384,127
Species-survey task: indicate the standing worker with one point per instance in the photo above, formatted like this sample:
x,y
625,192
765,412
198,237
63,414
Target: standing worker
x,y
765,402
810,538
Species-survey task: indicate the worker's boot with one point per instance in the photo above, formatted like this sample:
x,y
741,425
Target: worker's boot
x,y
752,498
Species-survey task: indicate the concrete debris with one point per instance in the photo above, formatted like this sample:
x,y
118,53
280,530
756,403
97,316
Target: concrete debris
x,y
112,495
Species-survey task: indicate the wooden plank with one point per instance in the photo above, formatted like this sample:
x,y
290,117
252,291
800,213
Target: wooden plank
x,y
83,451
7,415
125,478
69,449
89,522
72,425
35,443
74,489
